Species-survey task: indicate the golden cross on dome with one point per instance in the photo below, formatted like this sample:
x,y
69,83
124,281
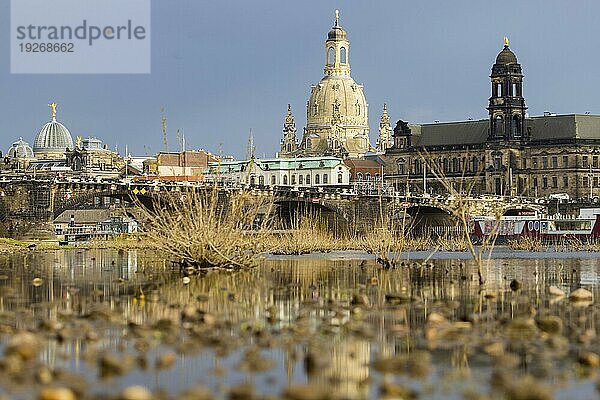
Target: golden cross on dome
x,y
53,107
505,41
337,17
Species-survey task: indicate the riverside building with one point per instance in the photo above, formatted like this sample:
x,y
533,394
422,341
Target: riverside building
x,y
509,153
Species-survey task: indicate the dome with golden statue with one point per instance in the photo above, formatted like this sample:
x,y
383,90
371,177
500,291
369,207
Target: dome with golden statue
x,y
53,140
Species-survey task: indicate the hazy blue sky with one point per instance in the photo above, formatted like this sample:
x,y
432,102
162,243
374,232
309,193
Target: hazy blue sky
x,y
223,67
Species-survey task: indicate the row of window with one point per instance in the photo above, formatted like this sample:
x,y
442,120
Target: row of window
x,y
456,164
331,56
464,164
585,182
301,179
367,177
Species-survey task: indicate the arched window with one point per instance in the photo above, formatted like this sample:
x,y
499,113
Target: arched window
x,y
357,106
308,179
359,176
475,164
343,56
367,177
455,165
300,179
261,180
252,180
285,181
499,125
446,165
273,180
340,178
289,147
317,176
330,56
293,179
324,179
516,126
401,167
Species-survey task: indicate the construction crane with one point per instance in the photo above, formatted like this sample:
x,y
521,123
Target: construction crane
x,y
251,148
164,128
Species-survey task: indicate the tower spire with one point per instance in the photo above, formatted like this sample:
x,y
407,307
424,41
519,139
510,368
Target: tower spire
x,y
289,143
385,131
337,17
505,41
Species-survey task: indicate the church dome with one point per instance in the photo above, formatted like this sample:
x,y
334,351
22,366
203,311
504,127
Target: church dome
x,y
506,56
54,137
20,149
337,33
337,97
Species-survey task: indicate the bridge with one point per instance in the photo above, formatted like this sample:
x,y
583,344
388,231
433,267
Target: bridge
x,y
30,205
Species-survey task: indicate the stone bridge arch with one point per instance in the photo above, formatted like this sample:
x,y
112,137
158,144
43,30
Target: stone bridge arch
x,y
63,203
290,211
426,220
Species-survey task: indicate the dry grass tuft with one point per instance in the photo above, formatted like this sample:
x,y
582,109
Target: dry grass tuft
x,y
208,230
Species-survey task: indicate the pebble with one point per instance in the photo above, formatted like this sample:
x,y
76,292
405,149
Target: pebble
x,y
589,359
196,393
528,388
186,280
110,365
555,291
37,282
136,393
515,285
58,393
550,324
581,294
166,360
394,391
26,345
307,392
242,392
521,328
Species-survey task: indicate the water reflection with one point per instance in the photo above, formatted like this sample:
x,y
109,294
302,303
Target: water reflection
x,y
323,322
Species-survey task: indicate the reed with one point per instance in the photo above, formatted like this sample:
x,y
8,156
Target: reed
x,y
527,243
208,230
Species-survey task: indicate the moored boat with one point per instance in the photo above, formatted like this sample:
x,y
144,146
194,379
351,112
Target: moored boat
x,y
584,226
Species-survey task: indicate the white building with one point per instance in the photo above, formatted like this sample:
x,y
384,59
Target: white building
x,y
287,172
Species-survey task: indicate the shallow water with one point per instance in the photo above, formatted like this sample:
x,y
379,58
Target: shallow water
x,y
337,321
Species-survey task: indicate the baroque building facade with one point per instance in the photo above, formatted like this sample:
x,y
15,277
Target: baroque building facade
x,y
508,154
337,110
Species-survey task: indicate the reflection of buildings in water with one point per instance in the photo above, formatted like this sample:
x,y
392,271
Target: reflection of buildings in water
x,y
289,289
71,282
348,369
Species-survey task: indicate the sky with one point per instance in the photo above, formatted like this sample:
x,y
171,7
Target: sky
x,y
223,68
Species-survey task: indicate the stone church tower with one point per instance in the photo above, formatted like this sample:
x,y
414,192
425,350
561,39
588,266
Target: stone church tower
x,y
337,112
289,143
507,105
385,131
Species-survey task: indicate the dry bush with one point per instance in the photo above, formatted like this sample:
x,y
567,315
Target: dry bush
x,y
309,233
461,211
205,230
527,243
